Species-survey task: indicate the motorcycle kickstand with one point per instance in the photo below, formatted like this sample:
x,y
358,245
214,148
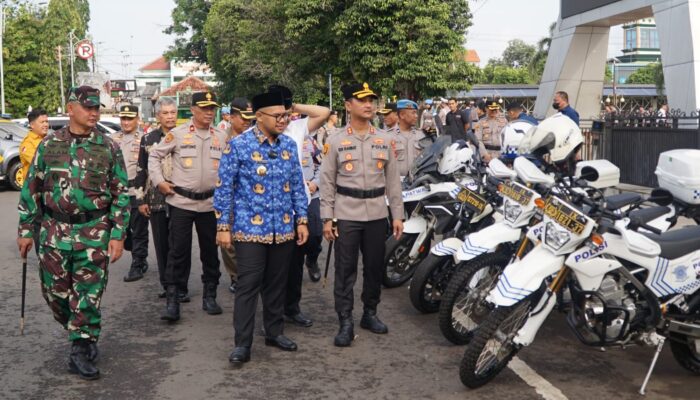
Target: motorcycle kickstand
x,y
659,347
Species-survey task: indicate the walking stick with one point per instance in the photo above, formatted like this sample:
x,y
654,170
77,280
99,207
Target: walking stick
x,y
24,294
328,256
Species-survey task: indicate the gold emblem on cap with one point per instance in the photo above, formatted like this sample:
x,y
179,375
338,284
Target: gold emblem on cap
x,y
208,96
365,86
262,170
286,188
259,188
256,220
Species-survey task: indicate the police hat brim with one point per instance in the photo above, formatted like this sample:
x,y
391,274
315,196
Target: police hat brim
x,y
247,115
385,111
128,115
207,103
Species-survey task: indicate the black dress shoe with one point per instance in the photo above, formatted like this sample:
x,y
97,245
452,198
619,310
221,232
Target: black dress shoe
x,y
314,272
239,355
78,362
346,332
300,320
135,273
281,342
370,322
172,305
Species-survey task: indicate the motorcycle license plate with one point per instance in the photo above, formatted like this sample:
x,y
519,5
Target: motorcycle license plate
x,y
472,200
517,193
567,217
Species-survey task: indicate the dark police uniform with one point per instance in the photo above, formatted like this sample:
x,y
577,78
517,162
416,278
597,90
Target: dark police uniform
x,y
356,174
137,236
196,154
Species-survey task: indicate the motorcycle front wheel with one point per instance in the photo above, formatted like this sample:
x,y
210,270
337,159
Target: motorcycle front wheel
x,y
398,267
463,306
492,347
426,288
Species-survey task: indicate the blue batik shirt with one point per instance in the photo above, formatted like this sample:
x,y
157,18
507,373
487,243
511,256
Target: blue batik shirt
x,y
523,116
265,185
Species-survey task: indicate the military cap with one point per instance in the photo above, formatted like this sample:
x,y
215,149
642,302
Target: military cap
x,y
85,95
493,105
128,111
267,99
358,91
405,104
204,99
388,109
286,94
514,105
241,106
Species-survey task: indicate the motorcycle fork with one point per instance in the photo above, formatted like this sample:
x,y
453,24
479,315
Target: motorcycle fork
x,y
559,279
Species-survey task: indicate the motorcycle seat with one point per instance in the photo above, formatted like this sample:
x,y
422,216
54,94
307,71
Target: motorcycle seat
x,y
646,215
677,243
617,201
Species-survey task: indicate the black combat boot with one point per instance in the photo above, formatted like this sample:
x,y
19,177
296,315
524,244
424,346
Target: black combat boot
x,y
172,305
136,271
370,321
93,352
345,334
209,300
79,362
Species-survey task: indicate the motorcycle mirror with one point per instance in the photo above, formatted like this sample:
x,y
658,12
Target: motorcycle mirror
x,y
661,197
589,173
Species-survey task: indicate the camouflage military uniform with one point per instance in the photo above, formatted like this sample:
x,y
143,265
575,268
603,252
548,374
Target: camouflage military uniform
x,y
77,188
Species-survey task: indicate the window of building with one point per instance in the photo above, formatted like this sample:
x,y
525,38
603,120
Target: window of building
x,y
631,39
649,38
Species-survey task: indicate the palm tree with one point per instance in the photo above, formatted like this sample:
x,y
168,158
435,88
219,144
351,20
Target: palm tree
x,y
540,58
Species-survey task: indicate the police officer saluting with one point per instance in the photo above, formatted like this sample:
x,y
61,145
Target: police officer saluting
x,y
196,148
407,136
359,169
77,189
129,140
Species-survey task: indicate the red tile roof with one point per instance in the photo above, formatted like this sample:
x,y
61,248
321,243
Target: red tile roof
x,y
195,84
159,64
471,56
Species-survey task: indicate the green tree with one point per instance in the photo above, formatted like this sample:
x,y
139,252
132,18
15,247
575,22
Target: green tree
x,y
500,75
188,19
518,54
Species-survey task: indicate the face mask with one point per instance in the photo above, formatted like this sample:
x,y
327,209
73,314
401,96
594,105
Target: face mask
x,y
555,105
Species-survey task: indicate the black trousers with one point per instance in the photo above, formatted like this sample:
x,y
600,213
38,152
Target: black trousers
x,y
354,237
160,221
180,242
137,235
262,268
308,252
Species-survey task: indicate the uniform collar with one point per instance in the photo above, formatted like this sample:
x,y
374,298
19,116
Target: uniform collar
x,y
64,135
193,129
349,131
260,137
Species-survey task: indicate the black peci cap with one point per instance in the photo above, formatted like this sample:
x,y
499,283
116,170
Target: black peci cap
x,y
267,99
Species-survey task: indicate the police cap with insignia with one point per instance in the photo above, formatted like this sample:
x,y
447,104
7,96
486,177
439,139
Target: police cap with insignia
x,y
267,99
493,105
87,96
204,99
241,106
128,111
286,94
358,91
388,109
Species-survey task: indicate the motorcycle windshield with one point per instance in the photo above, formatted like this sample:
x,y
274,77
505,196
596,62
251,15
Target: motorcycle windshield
x,y
429,158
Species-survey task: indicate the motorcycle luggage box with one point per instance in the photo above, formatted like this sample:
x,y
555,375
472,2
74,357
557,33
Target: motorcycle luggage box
x,y
678,171
608,173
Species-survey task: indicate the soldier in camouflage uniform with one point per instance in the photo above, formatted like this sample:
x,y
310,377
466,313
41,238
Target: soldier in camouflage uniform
x,y
77,189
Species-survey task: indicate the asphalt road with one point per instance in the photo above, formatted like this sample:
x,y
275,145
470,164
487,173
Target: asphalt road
x,y
144,358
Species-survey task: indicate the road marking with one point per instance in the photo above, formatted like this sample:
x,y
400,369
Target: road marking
x,y
532,378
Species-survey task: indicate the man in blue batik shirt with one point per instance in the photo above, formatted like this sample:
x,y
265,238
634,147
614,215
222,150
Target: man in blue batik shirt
x,y
260,174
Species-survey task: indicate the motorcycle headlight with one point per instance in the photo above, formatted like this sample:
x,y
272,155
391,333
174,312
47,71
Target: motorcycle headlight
x,y
554,237
511,211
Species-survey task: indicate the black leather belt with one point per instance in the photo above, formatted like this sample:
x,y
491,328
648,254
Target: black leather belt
x,y
76,218
194,195
359,193
492,148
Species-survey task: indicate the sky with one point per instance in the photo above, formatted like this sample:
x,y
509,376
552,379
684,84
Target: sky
x,y
129,33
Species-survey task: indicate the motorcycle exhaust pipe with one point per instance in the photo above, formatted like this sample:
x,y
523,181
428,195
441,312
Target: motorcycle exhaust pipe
x,y
684,328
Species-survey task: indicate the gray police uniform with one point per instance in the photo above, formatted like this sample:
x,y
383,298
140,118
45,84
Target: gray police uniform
x,y
357,172
407,147
195,160
488,131
137,237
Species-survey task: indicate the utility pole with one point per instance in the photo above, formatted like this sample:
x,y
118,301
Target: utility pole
x,y
72,56
60,76
2,67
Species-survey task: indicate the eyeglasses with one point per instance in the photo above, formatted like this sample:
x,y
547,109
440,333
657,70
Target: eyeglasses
x,y
278,117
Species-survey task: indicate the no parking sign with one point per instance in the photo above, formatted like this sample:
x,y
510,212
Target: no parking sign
x,y
84,49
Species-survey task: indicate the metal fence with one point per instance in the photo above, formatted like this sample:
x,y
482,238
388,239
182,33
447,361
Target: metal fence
x,y
634,141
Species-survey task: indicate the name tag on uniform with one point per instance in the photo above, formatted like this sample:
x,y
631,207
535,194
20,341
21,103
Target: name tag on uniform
x,y
188,151
215,152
